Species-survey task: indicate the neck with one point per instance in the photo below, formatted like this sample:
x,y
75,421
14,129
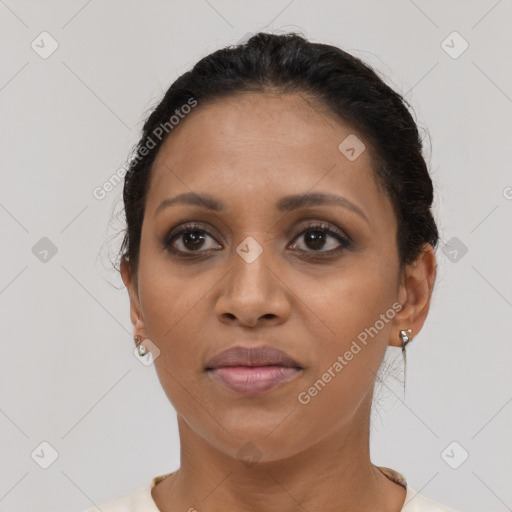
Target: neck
x,y
334,474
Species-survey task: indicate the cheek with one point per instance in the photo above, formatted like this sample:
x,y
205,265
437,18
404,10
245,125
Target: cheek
x,y
167,297
174,315
352,299
356,306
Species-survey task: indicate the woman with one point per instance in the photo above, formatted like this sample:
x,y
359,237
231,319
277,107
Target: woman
x,y
279,238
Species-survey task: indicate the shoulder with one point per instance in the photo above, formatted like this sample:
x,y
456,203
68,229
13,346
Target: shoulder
x,y
138,501
415,502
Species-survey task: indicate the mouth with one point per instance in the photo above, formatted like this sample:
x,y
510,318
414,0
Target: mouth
x,y
251,371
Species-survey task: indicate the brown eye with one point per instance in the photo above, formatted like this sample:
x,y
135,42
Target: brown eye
x,y
192,240
318,236
189,239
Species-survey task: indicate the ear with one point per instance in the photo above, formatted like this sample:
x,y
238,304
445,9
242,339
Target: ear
x,y
136,317
415,292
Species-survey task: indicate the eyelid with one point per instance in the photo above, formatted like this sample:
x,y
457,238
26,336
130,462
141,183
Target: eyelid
x,y
327,226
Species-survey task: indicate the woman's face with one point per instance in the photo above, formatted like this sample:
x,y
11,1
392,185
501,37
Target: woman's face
x,y
251,278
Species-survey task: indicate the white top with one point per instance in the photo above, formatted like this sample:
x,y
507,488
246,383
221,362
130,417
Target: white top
x,y
142,501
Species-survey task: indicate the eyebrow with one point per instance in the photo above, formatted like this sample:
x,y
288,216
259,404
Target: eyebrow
x,y
285,204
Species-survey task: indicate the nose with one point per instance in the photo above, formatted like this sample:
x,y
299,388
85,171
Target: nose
x,y
253,292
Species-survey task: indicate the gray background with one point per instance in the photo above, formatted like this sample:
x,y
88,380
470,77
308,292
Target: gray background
x,y
68,121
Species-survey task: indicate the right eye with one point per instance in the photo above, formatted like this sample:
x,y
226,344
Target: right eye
x,y
188,239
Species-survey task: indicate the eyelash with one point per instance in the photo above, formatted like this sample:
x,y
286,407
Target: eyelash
x,y
319,226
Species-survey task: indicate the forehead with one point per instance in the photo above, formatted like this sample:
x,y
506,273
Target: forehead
x,y
266,121
262,144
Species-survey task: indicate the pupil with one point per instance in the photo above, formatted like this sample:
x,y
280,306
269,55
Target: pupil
x,y
317,238
193,238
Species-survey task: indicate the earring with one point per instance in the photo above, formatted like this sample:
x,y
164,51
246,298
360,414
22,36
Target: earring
x,y
142,348
404,335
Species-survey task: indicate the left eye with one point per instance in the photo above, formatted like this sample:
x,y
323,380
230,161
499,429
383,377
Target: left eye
x,y
315,238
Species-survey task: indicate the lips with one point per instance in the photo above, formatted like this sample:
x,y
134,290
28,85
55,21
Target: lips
x,y
252,356
251,371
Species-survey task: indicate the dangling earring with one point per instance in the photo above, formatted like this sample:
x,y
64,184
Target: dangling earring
x,y
404,336
142,348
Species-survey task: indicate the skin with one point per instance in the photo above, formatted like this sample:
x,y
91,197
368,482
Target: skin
x,y
248,151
